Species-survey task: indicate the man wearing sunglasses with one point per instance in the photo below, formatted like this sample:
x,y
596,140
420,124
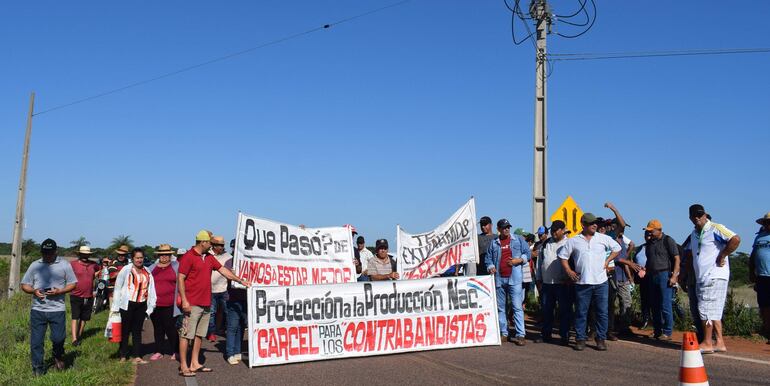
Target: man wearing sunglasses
x,y
711,244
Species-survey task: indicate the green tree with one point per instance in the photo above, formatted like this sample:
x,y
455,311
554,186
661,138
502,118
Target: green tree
x,y
121,240
29,247
80,242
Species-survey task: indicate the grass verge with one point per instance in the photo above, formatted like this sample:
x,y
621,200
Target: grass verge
x,y
94,362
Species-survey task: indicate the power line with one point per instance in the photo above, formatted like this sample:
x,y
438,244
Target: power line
x,y
225,57
650,54
588,18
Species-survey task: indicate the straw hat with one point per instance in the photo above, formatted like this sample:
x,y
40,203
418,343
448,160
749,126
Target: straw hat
x,y
164,249
764,218
122,250
84,250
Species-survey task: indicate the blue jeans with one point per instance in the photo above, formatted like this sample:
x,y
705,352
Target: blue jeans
x,y
38,322
551,295
217,303
662,317
517,299
236,322
692,295
585,295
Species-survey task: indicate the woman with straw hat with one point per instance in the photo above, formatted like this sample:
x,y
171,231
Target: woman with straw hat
x,y
164,273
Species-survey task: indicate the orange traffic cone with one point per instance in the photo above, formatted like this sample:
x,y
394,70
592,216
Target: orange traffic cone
x,y
691,370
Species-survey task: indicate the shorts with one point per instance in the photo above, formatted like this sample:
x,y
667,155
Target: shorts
x,y
763,291
711,299
196,323
80,308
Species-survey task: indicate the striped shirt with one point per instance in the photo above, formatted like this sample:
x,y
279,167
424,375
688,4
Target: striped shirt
x,y
140,281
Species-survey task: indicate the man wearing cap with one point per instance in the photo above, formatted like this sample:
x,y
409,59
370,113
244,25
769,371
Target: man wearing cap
x,y
759,272
48,279
121,260
363,258
194,283
381,266
550,277
485,238
662,269
505,257
711,244
591,253
82,297
218,286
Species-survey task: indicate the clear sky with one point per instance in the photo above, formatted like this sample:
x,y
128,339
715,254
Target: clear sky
x,y
394,118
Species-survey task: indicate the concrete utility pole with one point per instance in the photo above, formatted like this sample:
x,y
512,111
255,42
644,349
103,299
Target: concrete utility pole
x,y
541,13
18,226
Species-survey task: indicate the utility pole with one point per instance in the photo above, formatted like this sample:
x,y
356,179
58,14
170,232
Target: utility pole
x,y
541,13
18,226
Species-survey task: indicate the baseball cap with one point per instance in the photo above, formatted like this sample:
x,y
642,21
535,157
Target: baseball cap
x,y
485,221
503,223
558,224
542,230
381,243
697,210
203,236
589,218
360,240
653,224
47,245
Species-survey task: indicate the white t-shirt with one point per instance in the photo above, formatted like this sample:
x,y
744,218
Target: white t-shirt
x,y
549,269
706,245
589,256
219,282
365,256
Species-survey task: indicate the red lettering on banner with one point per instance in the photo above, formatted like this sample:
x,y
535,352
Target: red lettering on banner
x,y
331,275
437,264
285,342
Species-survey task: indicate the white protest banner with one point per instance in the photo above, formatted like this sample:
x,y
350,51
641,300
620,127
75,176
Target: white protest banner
x,y
269,253
429,254
309,323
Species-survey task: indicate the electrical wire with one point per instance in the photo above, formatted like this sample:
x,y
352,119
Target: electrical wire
x,y
651,54
223,58
516,12
582,8
590,25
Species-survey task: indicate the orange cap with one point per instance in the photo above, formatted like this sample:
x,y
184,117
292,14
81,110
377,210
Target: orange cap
x,y
653,224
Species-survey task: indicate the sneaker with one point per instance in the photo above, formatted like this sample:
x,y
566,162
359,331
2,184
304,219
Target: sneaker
x,y
580,345
239,357
38,373
600,345
211,338
664,337
156,356
612,337
233,360
58,363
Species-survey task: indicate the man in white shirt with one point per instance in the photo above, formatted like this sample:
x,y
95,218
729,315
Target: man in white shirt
x,y
218,286
711,244
550,276
588,251
364,256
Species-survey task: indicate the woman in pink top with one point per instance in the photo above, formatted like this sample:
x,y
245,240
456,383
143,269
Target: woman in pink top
x,y
164,272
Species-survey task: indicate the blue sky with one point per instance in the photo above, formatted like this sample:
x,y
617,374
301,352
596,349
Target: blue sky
x,y
395,118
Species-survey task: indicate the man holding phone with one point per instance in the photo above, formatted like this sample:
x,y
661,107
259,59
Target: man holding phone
x,y
48,279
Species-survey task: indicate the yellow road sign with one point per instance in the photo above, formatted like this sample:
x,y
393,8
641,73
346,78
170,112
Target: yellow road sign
x,y
570,213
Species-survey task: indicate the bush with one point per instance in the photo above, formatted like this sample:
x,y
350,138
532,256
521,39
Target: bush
x,y
739,319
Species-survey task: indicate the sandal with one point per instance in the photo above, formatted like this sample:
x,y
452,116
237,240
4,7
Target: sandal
x,y
202,370
187,374
704,352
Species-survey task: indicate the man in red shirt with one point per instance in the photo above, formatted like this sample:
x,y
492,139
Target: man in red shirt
x,y
194,282
82,297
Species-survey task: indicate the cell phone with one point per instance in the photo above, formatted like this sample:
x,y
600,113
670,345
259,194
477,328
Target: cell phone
x,y
47,289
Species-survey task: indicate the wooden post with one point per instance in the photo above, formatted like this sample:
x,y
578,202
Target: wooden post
x,y
18,226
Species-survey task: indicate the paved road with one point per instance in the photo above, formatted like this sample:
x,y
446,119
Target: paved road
x,y
626,363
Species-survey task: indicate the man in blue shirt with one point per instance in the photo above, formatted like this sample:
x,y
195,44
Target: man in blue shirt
x,y
759,272
48,279
505,257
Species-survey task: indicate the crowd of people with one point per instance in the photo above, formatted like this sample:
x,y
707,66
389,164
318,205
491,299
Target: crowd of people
x,y
577,279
